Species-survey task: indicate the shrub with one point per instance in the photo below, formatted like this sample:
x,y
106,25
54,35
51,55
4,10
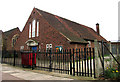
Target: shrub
x,y
112,73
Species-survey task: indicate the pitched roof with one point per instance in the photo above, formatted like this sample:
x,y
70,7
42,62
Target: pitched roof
x,y
72,30
8,33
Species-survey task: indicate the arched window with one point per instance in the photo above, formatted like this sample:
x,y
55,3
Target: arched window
x,y
29,30
33,28
14,39
37,28
13,42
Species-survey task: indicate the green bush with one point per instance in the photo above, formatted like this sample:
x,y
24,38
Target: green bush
x,y
112,73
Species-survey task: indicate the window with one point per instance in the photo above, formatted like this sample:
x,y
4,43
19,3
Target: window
x,y
47,47
89,45
50,45
33,28
13,42
29,30
37,28
14,39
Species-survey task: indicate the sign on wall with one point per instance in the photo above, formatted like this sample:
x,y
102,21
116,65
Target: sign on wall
x,y
48,46
21,47
58,48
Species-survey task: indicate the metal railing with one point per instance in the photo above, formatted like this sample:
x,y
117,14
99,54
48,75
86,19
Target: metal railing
x,y
76,62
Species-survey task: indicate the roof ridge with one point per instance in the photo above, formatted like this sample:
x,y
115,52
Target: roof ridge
x,y
11,30
61,17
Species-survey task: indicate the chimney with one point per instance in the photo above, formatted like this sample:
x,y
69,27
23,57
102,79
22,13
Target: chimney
x,y
97,29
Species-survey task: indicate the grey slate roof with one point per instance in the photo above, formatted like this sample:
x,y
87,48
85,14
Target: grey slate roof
x,y
72,30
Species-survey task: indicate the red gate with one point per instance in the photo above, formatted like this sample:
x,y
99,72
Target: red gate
x,y
28,59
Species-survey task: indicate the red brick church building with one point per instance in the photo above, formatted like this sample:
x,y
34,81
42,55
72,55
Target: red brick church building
x,y
43,30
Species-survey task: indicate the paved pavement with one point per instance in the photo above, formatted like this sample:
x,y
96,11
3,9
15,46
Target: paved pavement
x,y
7,76
11,73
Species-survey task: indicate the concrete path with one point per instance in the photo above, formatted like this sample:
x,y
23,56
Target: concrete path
x,y
11,73
7,76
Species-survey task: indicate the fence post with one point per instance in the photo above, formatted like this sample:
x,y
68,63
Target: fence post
x,y
33,54
50,65
73,63
97,63
14,58
85,60
94,63
103,56
111,62
70,63
118,56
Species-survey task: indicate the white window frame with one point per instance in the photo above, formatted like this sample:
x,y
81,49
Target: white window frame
x,y
33,27
37,28
29,30
50,45
47,47
89,45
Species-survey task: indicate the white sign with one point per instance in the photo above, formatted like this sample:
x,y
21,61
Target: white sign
x,y
60,48
21,47
48,45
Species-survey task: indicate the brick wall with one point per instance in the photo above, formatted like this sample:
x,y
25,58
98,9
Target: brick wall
x,y
47,35
8,39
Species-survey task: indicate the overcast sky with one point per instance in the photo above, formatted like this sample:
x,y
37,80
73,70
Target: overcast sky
x,y
15,13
